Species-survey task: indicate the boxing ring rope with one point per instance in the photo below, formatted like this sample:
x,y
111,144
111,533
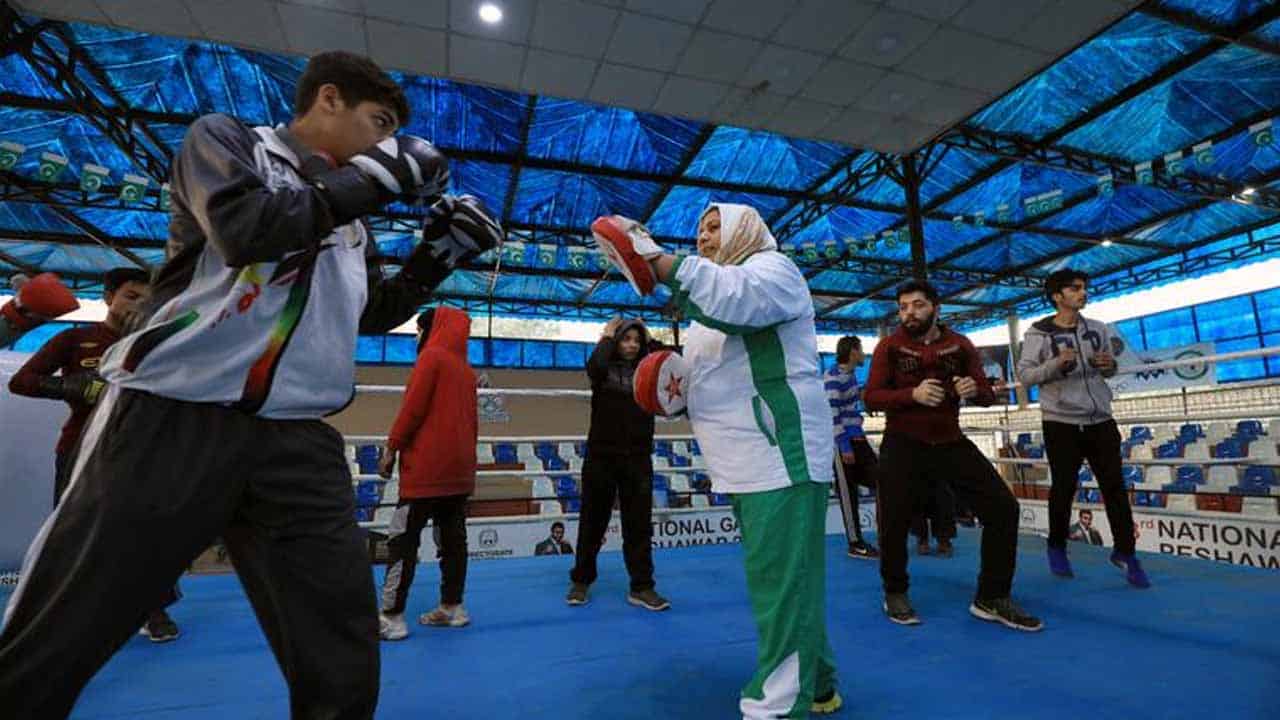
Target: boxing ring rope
x,y
997,430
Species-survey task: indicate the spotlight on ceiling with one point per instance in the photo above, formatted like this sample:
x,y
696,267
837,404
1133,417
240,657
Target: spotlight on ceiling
x,y
1248,191
1107,243
491,13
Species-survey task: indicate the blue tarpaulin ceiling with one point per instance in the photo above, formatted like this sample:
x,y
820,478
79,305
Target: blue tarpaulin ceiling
x,y
1142,155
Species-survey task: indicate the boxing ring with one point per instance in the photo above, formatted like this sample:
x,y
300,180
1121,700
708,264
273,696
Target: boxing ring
x,y
1196,645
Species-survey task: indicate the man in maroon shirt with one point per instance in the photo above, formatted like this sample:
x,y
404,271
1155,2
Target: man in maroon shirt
x,y
919,376
66,368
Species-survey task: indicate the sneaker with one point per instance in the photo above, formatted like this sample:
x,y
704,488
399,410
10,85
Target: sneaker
x,y
826,704
863,550
392,627
899,610
1133,571
1004,611
577,594
945,549
923,548
442,616
1059,564
160,628
648,599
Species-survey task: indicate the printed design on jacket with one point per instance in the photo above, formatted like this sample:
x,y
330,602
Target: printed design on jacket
x,y
908,361
150,339
295,269
952,361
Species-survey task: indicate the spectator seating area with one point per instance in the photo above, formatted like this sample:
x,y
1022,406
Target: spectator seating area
x,y
1251,441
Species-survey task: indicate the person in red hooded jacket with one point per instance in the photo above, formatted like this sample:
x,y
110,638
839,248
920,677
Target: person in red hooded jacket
x,y
434,436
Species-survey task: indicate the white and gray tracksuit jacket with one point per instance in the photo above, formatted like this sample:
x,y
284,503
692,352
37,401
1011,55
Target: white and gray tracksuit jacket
x,y
1078,394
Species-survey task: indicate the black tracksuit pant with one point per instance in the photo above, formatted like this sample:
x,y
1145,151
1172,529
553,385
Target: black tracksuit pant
x,y
937,513
906,466
849,476
629,478
151,493
449,516
1067,446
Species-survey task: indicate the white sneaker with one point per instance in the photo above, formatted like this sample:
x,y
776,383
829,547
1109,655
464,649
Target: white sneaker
x,y
392,627
446,617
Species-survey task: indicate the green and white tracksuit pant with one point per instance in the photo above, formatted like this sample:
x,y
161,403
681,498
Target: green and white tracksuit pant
x,y
784,549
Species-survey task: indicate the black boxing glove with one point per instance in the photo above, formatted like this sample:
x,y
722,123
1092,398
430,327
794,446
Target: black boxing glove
x,y
82,387
404,166
456,229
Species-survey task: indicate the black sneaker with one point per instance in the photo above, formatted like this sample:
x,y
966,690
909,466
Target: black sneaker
x,y
160,628
577,594
1004,611
945,549
899,610
863,551
648,599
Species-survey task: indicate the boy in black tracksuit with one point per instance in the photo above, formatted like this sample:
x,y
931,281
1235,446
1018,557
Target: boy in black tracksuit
x,y
618,464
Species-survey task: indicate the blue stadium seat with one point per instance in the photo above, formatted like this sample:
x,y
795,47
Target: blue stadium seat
x,y
719,499
1190,474
572,505
661,482
1023,439
1084,475
662,448
1259,475
505,454
680,461
661,498
580,447
367,458
1171,449
1231,448
1250,428
544,450
1180,486
700,482
554,463
1033,451
1132,475
565,485
694,447
1140,433
368,493
1189,432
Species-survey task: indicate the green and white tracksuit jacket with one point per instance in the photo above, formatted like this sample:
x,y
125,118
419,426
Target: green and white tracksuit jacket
x,y
756,399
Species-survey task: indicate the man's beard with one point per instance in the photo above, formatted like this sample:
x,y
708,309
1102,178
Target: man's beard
x,y
923,328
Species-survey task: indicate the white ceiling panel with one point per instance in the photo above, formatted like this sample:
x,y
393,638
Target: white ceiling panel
x,y
310,30
253,23
556,74
626,86
887,38
785,69
822,25
408,47
718,56
756,18
648,42
489,62
427,13
689,97
569,26
685,11
840,82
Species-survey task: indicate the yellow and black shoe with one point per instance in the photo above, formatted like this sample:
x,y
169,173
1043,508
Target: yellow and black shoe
x,y
827,704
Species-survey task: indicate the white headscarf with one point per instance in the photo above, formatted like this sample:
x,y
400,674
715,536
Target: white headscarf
x,y
742,233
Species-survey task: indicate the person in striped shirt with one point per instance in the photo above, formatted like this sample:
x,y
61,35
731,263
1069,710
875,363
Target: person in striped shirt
x,y
856,464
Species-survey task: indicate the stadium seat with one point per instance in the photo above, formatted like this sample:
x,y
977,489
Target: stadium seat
x,y
1231,448
1196,451
1265,448
661,461
549,507
719,499
367,458
1190,473
580,448
660,498
1190,431
661,482
1261,475
1251,428
1222,477
1171,449
1141,452
1132,475
700,501
554,463
543,488
567,450
1273,429
1218,431
680,461
544,450
1158,475
1140,433
484,453
505,454
694,448
573,505
680,483
526,454
1084,476
662,447
565,485
1024,439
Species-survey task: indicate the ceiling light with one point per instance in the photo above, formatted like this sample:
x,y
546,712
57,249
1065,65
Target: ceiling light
x,y
1107,243
1248,191
491,13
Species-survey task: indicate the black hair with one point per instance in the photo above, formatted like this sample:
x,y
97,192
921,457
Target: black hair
x,y
919,286
845,347
357,78
115,278
557,524
1059,279
1085,510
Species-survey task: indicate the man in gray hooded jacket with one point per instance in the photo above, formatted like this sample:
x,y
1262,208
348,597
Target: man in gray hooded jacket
x,y
1070,357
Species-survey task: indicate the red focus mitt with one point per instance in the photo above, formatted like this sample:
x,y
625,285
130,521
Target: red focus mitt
x,y
661,383
39,299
